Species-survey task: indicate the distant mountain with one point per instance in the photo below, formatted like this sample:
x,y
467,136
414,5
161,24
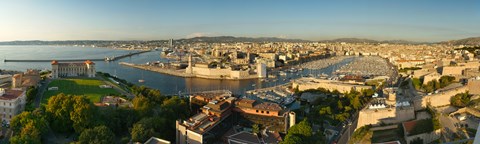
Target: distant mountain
x,y
229,39
216,39
359,40
352,40
466,41
69,42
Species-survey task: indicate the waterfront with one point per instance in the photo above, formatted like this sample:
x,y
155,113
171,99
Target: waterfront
x,y
167,84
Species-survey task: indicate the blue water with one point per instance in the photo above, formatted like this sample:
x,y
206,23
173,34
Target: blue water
x,y
167,84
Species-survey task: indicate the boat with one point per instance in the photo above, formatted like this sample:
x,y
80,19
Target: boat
x,y
141,80
282,73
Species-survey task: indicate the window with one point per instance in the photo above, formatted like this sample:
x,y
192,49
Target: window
x,y
257,111
268,112
262,111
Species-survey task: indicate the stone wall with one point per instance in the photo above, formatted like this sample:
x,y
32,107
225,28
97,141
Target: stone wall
x,y
426,137
386,115
442,98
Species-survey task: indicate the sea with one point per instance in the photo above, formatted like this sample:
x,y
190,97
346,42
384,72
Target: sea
x,y
167,84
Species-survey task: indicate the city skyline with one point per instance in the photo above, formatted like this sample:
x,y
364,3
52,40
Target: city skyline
x,y
425,21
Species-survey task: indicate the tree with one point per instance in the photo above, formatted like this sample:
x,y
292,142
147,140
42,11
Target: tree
x,y
29,134
299,133
356,104
31,93
348,108
460,100
302,129
141,133
342,116
292,139
446,80
36,118
28,127
416,83
97,135
368,92
175,108
82,113
58,110
255,129
339,105
325,111
142,105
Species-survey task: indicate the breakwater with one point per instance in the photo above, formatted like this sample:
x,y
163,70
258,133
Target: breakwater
x,y
114,58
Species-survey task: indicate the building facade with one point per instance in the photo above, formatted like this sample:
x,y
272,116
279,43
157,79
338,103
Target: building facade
x,y
12,103
26,79
73,69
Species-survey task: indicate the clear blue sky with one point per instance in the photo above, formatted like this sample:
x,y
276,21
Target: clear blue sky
x,y
416,20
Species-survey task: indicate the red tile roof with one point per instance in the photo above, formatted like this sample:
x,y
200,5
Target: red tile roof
x,y
11,94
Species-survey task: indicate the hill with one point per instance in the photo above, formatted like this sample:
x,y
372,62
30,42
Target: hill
x,y
466,41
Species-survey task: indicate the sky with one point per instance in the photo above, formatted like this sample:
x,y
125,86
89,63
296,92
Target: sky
x,y
414,20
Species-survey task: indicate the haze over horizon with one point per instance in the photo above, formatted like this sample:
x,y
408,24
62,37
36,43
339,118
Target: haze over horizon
x,y
421,21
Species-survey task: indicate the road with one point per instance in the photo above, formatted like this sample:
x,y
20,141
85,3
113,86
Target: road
x,y
116,87
348,130
41,90
448,129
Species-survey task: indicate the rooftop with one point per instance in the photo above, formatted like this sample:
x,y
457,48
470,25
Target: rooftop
x,y
154,140
11,94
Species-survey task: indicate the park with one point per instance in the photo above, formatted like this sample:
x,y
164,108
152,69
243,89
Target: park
x,y
82,87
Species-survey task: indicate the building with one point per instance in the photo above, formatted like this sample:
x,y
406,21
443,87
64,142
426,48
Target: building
x,y
219,112
261,70
200,128
266,114
413,131
155,140
474,86
378,114
244,137
12,103
331,85
73,69
26,79
5,78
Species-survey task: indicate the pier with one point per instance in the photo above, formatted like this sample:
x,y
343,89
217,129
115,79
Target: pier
x,y
59,60
114,58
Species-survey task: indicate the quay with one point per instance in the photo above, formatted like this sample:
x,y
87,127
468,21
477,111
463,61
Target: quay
x,y
114,58
179,73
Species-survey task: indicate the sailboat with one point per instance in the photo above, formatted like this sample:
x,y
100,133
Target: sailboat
x,y
115,73
141,80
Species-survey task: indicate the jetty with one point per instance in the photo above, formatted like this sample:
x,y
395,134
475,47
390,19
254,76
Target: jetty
x,y
113,58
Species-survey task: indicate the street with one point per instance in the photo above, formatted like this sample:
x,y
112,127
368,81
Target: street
x,y
41,89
